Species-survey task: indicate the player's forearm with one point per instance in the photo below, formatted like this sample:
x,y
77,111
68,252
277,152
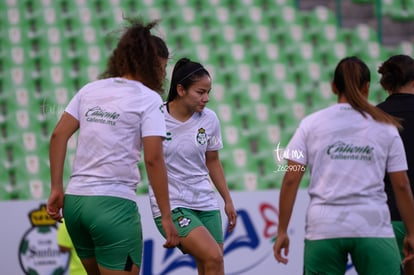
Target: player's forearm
x,y
404,197
287,196
405,204
57,155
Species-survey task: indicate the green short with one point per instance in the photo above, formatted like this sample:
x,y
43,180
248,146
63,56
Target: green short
x,y
400,232
186,220
107,228
369,256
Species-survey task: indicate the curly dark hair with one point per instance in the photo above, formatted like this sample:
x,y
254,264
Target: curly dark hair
x,y
138,54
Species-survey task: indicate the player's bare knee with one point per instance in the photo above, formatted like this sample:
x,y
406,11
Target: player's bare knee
x,y
215,260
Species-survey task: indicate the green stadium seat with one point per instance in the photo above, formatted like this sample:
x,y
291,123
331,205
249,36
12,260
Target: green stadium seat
x,y
268,141
271,64
250,181
363,1
225,113
365,32
298,54
321,24
240,169
231,135
399,10
406,48
4,155
29,166
218,94
269,178
330,56
322,96
7,190
307,77
27,187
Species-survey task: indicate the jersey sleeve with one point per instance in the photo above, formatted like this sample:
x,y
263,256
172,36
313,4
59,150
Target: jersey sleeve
x,y
73,106
296,150
396,158
214,140
153,119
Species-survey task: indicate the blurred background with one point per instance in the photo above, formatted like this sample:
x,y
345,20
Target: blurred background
x,y
271,63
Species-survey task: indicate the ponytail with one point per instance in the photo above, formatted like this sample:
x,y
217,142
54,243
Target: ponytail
x,y
351,75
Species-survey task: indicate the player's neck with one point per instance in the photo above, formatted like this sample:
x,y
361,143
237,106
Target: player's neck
x,y
407,89
178,111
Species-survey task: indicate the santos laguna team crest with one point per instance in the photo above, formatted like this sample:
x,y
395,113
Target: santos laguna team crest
x,y
38,252
201,136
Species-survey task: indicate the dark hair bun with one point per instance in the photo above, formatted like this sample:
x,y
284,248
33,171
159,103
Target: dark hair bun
x,y
396,72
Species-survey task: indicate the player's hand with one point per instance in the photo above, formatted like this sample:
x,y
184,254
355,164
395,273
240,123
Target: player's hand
x,y
171,234
55,205
281,243
408,249
231,215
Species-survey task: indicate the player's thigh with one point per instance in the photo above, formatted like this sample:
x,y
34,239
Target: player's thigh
x,y
194,235
185,220
201,244
212,222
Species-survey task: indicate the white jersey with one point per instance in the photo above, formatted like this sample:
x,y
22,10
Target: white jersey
x,y
185,150
114,114
347,155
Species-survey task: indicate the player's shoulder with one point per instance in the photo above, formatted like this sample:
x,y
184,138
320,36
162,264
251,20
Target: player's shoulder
x,y
208,112
92,85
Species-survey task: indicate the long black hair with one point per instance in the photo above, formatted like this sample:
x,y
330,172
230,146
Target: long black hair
x,y
185,73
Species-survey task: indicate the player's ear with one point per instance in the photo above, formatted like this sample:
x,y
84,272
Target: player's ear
x,y
333,88
180,90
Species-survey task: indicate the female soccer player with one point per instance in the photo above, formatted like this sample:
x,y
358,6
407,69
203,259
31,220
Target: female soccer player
x,y
117,117
192,158
348,147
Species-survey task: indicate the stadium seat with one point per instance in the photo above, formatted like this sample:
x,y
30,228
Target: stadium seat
x,y
271,64
399,10
26,187
7,190
363,1
4,155
322,96
405,48
239,167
